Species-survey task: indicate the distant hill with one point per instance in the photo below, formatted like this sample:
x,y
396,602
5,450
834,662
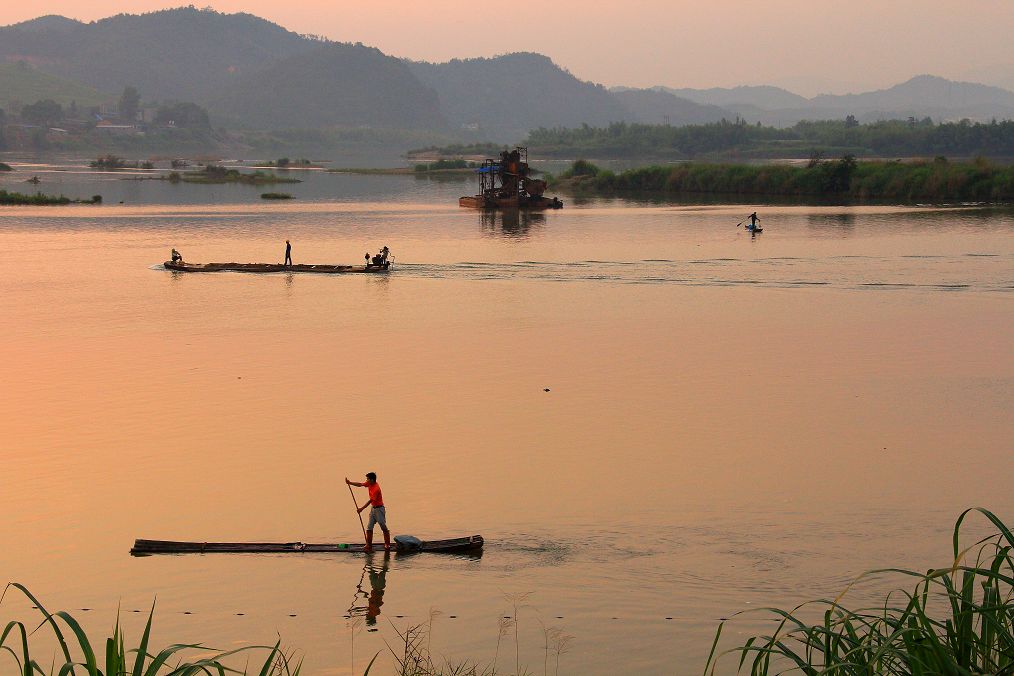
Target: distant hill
x,y
652,106
50,22
184,54
332,84
21,84
919,97
921,92
764,96
508,95
251,73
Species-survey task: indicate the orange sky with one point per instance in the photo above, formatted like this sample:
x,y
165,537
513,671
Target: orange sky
x,y
811,46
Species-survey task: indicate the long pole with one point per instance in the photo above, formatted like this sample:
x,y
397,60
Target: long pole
x,y
358,513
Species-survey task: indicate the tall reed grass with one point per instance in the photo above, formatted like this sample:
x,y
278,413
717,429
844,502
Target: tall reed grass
x,y
112,658
957,620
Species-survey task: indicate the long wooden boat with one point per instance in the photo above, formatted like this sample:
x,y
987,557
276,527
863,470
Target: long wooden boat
x,y
467,545
273,267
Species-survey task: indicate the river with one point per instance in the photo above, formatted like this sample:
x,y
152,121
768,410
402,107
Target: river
x,y
655,419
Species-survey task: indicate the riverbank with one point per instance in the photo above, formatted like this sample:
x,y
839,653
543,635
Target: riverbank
x,y
38,199
847,179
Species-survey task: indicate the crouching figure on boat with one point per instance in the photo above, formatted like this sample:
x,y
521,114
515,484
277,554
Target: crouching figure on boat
x,y
177,257
380,260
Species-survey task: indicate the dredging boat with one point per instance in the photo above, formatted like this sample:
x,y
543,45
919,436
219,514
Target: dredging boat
x,y
402,545
506,183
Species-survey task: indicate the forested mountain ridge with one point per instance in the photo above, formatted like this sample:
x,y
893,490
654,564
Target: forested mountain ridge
x,y
508,95
358,85
184,54
921,96
251,73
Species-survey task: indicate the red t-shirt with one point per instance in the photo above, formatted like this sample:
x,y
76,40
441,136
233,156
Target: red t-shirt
x,y
376,499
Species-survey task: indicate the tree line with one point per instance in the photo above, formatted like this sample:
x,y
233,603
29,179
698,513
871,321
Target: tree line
x,y
885,139
844,179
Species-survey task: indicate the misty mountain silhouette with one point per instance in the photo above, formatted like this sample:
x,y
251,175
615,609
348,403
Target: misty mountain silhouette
x,y
253,73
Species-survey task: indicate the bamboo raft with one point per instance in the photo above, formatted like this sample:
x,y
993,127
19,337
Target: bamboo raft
x,y
466,545
274,267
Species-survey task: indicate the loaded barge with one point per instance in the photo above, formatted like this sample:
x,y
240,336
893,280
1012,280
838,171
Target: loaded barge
x,y
507,184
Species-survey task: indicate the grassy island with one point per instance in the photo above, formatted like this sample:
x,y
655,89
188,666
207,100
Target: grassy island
x,y
38,199
937,180
214,173
112,163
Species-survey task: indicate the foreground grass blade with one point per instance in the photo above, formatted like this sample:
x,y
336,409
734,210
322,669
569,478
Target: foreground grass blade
x,y
957,620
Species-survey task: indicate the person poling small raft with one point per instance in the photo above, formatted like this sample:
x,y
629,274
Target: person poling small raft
x,y
403,544
378,513
752,226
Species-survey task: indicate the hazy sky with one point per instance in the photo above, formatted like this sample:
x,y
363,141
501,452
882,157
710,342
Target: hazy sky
x,y
810,46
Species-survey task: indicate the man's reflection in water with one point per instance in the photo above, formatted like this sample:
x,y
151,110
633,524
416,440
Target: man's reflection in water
x,y
375,575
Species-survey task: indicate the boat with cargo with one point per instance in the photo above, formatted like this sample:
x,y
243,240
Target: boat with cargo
x,y
507,183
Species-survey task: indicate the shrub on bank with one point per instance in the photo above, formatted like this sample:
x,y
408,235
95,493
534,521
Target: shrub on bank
x,y
956,620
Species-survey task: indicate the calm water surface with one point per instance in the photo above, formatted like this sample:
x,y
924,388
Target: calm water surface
x,y
732,421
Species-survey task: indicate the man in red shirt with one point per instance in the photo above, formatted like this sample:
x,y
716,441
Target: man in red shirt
x,y
377,512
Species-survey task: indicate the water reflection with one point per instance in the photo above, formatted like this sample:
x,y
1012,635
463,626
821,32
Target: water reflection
x,y
512,223
842,223
369,594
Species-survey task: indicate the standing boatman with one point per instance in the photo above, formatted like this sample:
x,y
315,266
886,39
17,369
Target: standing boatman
x,y
377,512
288,253
753,221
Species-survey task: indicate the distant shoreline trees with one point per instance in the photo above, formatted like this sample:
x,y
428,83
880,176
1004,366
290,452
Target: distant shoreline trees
x,y
844,179
889,138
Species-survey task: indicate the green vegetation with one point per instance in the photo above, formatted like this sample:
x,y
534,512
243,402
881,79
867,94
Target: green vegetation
x,y
844,179
286,163
142,660
110,162
184,115
129,103
956,620
214,173
20,83
276,196
445,165
46,112
456,150
5,167
894,138
38,199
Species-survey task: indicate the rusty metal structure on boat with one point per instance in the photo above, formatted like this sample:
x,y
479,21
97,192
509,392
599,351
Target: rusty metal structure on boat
x,y
506,183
